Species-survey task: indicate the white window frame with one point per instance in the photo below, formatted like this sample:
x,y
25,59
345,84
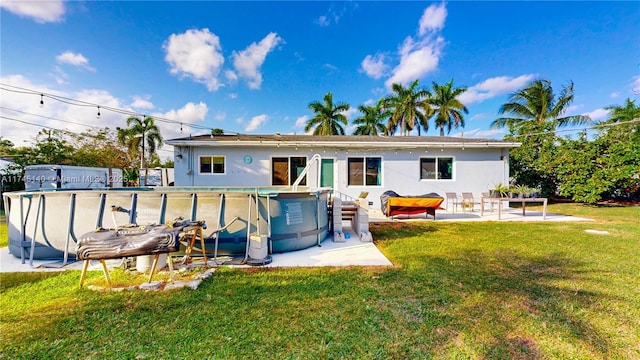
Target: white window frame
x,y
364,171
436,158
289,182
224,165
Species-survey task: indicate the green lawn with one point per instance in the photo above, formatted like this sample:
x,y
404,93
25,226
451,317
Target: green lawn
x,y
457,290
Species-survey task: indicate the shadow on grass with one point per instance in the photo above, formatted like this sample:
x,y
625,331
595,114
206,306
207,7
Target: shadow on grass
x,y
501,304
469,303
11,280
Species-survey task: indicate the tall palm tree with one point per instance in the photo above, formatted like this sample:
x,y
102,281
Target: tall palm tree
x,y
409,107
447,109
329,117
371,122
628,112
141,134
536,105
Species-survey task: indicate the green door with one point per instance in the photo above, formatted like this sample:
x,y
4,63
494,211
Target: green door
x,y
326,177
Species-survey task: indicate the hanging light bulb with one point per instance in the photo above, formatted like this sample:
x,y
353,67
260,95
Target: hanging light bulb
x,y
98,115
41,100
181,128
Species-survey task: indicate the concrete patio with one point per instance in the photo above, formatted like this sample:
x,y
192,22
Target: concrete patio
x,y
508,214
352,252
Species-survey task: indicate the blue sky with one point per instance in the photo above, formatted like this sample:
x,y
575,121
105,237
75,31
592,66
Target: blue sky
x,y
253,67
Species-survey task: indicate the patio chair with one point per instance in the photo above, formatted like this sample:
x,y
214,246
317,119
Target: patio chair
x,y
453,199
468,202
485,196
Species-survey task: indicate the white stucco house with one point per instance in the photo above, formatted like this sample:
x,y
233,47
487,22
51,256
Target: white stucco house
x,y
408,165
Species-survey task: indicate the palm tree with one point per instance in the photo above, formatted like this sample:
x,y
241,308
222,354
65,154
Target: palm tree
x,y
536,105
140,135
447,109
371,122
329,117
630,111
406,106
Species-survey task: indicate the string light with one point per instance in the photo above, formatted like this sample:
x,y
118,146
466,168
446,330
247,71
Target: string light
x,y
17,89
75,102
98,116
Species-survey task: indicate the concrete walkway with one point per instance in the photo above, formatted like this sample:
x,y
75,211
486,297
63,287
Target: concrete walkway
x,y
349,253
508,214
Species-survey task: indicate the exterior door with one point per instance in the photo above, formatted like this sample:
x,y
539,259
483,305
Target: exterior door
x,y
326,171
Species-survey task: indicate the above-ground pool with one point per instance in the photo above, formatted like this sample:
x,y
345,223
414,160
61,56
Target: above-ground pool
x,y
46,224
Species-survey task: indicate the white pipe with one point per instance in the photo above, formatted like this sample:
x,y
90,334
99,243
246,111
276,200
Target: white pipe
x,y
304,172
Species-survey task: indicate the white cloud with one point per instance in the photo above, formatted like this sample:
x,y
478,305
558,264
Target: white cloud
x,y
416,60
493,87
196,54
479,116
29,117
379,91
598,114
190,113
142,103
219,116
374,66
233,96
635,85
323,21
614,95
302,121
248,61
432,19
59,75
480,134
256,122
333,16
349,113
350,129
39,11
231,76
239,120
421,55
330,67
78,119
75,59
573,108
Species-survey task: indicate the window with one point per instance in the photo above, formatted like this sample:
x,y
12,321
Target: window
x,y
440,168
285,170
211,164
364,171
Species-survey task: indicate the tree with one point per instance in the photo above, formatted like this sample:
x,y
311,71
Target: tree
x,y
408,107
328,118
140,135
51,147
578,171
630,111
618,144
531,164
372,120
535,113
537,104
447,109
100,148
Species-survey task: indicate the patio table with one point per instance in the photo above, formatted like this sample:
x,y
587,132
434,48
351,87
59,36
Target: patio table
x,y
523,201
